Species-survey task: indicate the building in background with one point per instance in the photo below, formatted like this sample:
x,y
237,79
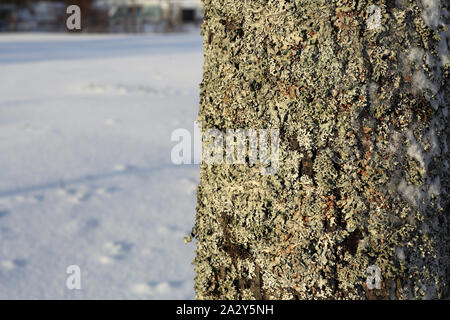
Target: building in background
x,y
101,15
150,15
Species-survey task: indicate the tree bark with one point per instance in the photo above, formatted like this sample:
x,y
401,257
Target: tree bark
x,y
360,96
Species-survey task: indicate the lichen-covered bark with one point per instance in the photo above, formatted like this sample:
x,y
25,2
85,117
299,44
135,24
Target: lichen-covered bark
x,y
363,177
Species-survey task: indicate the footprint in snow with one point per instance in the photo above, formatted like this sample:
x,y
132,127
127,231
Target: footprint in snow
x,y
9,265
120,167
33,128
112,122
84,193
3,213
123,167
75,195
117,250
152,288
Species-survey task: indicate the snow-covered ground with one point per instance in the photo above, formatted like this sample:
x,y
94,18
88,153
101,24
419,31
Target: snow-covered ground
x,y
85,172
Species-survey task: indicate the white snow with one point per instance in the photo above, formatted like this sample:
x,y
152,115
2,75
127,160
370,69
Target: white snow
x,y
85,171
412,193
431,12
421,82
415,150
400,253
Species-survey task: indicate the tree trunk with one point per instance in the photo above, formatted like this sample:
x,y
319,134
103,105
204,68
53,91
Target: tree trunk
x,y
359,93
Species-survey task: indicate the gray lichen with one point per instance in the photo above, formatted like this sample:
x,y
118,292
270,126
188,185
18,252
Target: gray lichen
x,y
363,176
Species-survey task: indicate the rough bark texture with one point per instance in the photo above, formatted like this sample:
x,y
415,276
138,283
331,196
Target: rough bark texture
x,y
363,177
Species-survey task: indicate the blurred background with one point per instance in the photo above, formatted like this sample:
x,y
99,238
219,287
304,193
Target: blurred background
x,y
86,177
136,16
